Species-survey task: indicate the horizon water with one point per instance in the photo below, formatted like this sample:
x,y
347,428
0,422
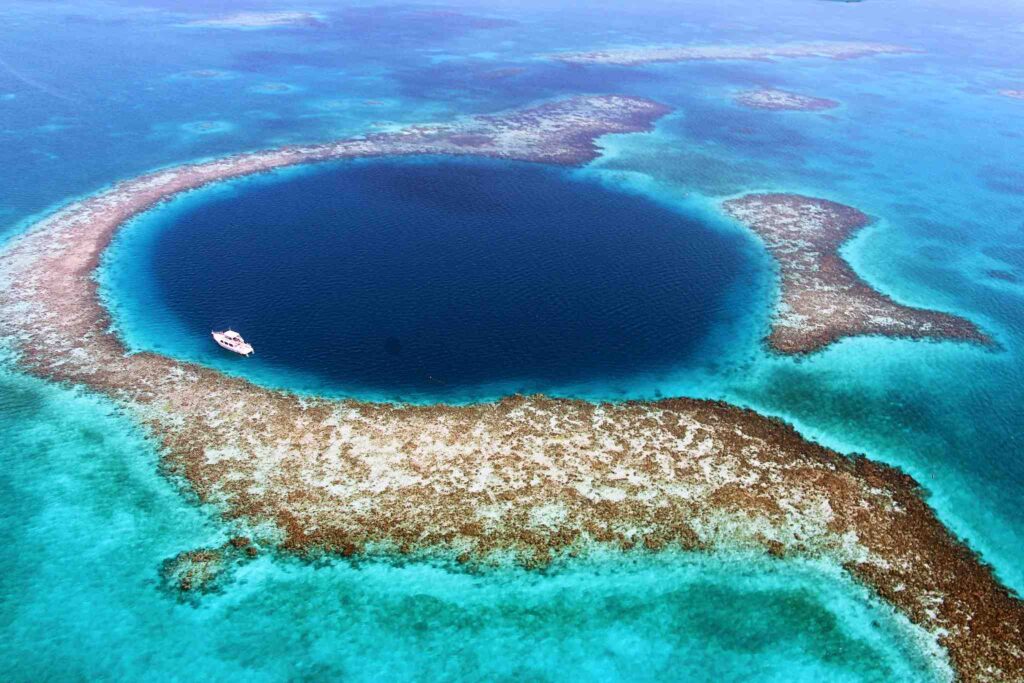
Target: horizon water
x,y
89,517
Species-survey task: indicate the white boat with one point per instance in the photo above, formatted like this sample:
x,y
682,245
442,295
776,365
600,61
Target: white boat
x,y
232,341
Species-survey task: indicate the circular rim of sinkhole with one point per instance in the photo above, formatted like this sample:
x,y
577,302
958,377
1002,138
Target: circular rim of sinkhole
x,y
631,230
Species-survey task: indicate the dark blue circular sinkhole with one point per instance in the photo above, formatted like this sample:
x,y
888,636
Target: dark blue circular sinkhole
x,y
431,277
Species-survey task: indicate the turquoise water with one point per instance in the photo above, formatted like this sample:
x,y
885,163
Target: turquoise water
x,y
92,520
921,142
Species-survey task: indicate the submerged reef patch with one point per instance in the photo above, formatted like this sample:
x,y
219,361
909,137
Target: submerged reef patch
x,y
206,74
206,127
781,100
634,56
1002,275
822,298
423,22
205,570
527,477
243,20
273,88
1002,178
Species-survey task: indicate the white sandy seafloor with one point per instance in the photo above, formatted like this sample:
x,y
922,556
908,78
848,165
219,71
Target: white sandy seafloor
x,y
93,520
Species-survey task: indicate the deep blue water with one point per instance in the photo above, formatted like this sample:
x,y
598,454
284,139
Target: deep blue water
x,y
436,275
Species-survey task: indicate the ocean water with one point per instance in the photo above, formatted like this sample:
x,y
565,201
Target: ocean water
x,y
432,280
921,142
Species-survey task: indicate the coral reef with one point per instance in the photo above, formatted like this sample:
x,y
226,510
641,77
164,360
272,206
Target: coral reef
x,y
634,56
527,477
259,20
822,298
782,100
195,572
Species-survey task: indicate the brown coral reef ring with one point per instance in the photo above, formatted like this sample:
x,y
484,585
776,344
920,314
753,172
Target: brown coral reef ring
x,y
822,298
531,477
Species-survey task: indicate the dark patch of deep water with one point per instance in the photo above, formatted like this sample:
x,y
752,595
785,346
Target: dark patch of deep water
x,y
429,276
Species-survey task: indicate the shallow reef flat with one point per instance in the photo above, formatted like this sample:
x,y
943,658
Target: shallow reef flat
x,y
259,20
822,298
772,99
529,478
634,56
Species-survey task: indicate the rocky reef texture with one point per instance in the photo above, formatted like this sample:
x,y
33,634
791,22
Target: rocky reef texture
x,y
1015,94
207,74
204,570
634,56
1003,275
782,100
529,478
259,20
822,298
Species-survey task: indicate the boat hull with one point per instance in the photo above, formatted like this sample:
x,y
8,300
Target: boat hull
x,y
241,348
